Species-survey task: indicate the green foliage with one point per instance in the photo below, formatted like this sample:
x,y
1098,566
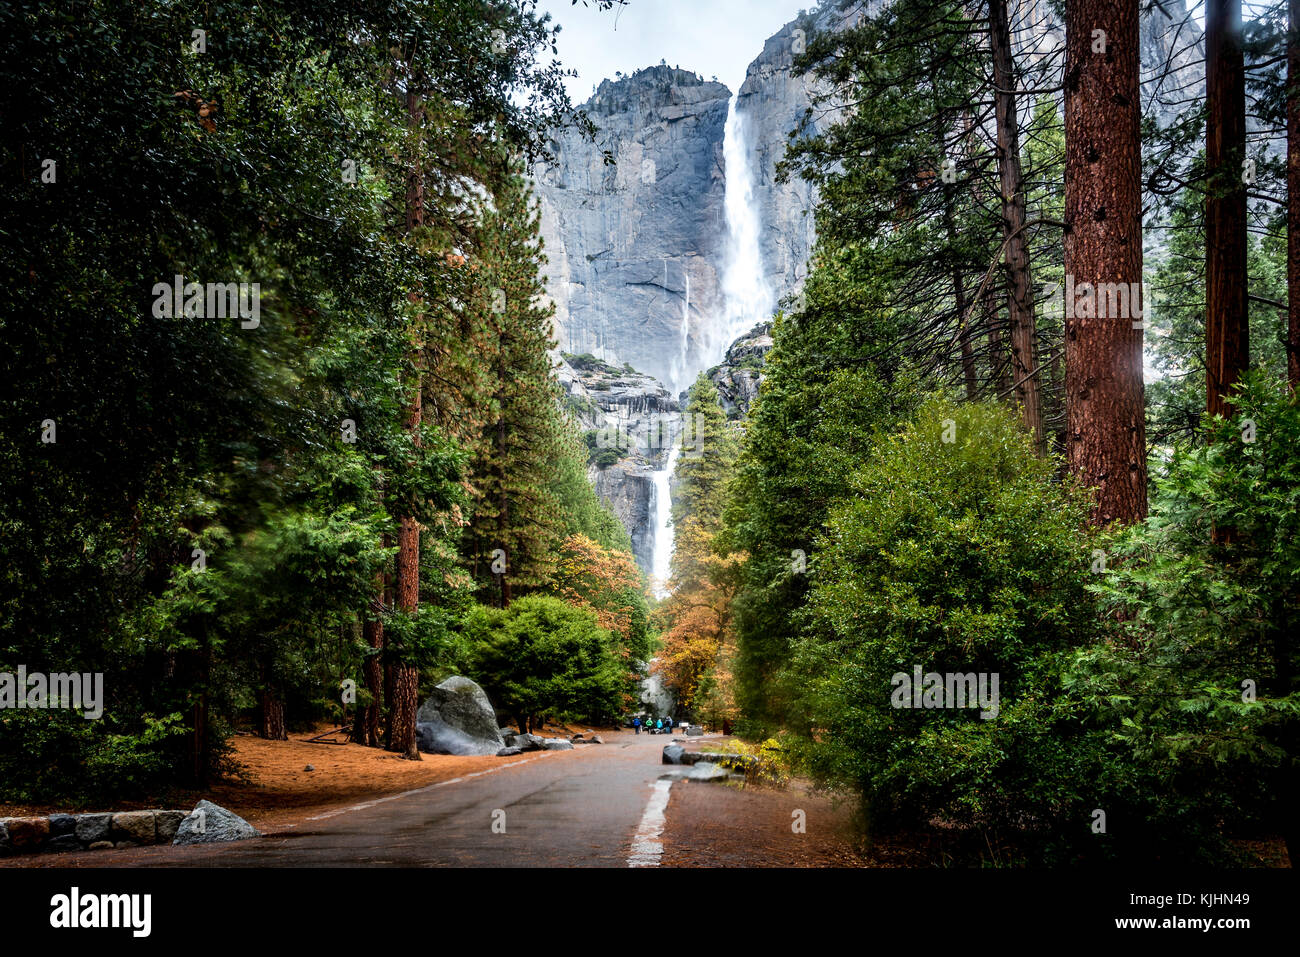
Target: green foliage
x,y
278,450
957,557
1195,619
544,656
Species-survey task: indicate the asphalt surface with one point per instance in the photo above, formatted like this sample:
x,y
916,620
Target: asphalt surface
x,y
580,808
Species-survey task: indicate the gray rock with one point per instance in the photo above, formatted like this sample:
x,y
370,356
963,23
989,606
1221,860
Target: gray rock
x,y
739,374
629,491
557,744
64,842
92,828
209,823
462,705
508,752
624,240
694,731
597,739
437,737
310,767
673,754
5,847
166,824
137,827
507,733
61,824
708,771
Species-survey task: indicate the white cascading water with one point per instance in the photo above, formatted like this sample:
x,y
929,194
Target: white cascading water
x,y
663,546
747,300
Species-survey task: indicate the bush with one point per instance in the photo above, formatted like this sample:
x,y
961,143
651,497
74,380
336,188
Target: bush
x,y
961,556
544,656
1192,619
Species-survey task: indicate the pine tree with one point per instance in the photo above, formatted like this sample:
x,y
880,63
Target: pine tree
x,y
516,528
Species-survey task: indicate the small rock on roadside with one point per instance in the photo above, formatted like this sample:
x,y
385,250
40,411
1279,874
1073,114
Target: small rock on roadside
x,y
167,823
209,823
508,752
673,754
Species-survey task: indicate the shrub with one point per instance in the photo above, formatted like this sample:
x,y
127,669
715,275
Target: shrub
x,y
961,556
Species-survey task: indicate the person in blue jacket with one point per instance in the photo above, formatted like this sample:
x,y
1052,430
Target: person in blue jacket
x,y
636,723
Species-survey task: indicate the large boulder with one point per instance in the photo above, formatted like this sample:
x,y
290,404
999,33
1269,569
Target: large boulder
x,y
463,705
556,744
209,823
436,736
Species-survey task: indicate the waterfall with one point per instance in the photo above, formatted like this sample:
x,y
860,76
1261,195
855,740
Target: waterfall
x,y
663,546
747,295
747,300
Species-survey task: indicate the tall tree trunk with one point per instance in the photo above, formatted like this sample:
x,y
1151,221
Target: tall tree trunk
x,y
368,719
407,571
999,367
271,723
1293,195
961,305
1020,297
1106,428
1227,332
200,745
503,503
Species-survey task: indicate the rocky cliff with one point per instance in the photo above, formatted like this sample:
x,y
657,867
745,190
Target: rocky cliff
x,y
738,376
629,421
633,223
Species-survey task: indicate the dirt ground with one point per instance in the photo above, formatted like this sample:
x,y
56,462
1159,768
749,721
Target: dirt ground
x,y
279,791
723,825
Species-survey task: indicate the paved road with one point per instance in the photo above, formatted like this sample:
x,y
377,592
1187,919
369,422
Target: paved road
x,y
580,808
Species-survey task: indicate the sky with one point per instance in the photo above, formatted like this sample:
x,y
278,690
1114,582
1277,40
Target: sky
x,y
709,37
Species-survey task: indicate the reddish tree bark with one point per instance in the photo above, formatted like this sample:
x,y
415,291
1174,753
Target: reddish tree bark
x,y
1106,432
406,676
1227,331
368,718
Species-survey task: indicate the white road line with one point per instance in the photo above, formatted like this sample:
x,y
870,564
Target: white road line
x,y
647,848
427,787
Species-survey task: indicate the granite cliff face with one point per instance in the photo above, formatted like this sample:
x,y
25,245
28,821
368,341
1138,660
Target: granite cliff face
x,y
739,374
634,245
629,420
